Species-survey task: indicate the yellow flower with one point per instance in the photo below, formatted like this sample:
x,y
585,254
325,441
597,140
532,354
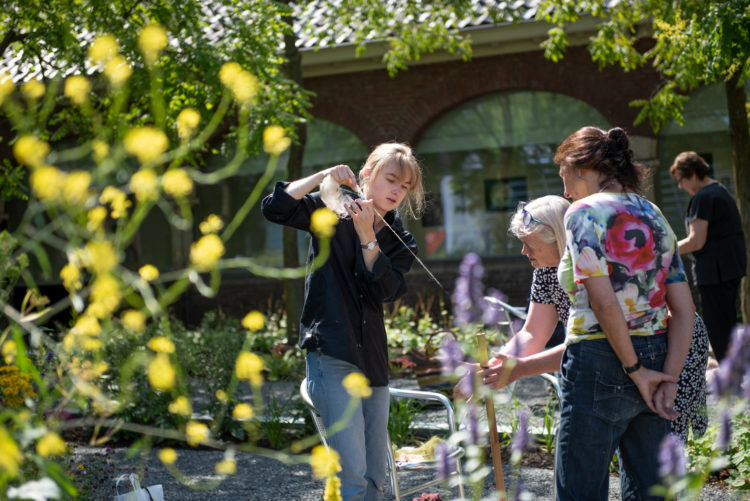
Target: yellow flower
x,y
221,396
357,385
103,49
212,224
177,183
226,466
323,222
6,86
47,183
100,256
91,344
242,84
206,252
9,351
134,320
30,151
274,140
145,185
51,445
167,455
152,40
146,143
117,200
148,272
118,70
76,188
187,122
181,406
161,374
95,218
99,150
196,433
71,277
32,90
10,454
249,367
161,344
242,412
324,462
105,293
69,342
77,89
86,325
332,490
253,321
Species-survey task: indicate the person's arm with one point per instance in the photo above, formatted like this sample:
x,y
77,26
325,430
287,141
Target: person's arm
x,y
342,174
607,310
497,375
696,238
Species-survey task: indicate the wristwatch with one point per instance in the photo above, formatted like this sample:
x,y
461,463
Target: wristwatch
x,y
369,245
632,368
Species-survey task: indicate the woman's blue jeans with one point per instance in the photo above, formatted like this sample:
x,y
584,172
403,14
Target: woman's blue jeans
x,y
602,411
362,442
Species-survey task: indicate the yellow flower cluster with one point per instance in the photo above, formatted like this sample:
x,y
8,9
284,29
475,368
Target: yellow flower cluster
x,y
76,187
33,89
196,433
117,200
10,454
145,143
206,252
145,185
241,83
323,222
161,344
149,272
30,151
221,396
134,320
99,150
84,334
212,224
253,321
9,351
118,70
161,374
6,86
100,256
187,123
71,277
357,385
226,466
103,49
86,369
332,490
181,406
167,455
77,89
95,218
324,462
152,40
275,141
177,183
249,367
51,444
46,183
15,386
242,412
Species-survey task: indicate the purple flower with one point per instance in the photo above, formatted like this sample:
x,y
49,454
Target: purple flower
x,y
725,430
451,355
671,457
521,438
445,464
733,369
518,493
465,385
468,296
472,425
491,314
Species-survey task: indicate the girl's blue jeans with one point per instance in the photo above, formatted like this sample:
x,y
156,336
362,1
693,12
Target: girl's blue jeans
x,y
602,411
362,442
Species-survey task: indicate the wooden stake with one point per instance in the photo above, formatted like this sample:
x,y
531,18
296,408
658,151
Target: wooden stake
x,y
497,460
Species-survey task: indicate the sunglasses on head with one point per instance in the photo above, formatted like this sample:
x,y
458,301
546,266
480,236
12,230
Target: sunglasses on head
x,y
526,216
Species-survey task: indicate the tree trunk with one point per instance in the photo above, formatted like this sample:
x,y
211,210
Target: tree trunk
x,y
293,289
740,140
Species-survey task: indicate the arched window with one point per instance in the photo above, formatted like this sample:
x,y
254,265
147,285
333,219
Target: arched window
x,y
483,157
706,131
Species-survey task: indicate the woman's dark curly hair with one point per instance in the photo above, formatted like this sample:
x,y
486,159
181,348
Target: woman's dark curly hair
x,y
607,152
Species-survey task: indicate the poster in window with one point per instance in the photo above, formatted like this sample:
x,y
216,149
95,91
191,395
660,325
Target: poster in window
x,y
501,195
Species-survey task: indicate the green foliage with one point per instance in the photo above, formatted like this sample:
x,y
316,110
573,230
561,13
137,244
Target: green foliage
x,y
400,419
732,465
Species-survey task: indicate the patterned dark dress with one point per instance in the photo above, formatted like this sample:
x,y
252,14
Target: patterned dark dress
x,y
690,401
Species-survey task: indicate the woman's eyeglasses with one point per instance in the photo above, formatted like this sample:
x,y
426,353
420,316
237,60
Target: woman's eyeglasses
x,y
526,216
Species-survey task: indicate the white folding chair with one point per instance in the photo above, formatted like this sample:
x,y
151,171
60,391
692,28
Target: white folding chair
x,y
394,467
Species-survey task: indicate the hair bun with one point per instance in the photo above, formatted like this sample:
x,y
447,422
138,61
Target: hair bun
x,y
617,140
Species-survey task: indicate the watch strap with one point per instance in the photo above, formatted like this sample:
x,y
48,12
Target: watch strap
x,y
369,245
632,368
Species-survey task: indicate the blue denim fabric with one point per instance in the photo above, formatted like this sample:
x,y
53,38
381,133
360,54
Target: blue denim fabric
x,y
362,443
602,411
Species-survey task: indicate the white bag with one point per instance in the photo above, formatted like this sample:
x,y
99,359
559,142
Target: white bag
x,y
151,493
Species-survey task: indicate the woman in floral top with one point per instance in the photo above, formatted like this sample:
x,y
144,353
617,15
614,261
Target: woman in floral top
x,y
621,270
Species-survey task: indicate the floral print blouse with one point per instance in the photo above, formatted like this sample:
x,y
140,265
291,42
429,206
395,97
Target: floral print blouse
x,y
625,237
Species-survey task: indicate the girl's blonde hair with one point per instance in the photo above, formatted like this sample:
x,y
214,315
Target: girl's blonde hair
x,y
550,210
401,156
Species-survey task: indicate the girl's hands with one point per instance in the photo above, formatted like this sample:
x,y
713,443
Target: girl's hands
x,y
362,213
342,174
